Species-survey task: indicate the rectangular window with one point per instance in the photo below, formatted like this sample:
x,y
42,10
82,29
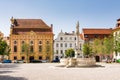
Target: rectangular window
x,y
61,38
40,48
31,49
15,48
65,44
61,51
23,50
47,48
70,45
61,45
57,52
57,45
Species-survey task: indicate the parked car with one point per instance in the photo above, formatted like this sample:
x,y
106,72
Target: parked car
x,y
6,61
35,61
20,61
44,61
109,61
55,60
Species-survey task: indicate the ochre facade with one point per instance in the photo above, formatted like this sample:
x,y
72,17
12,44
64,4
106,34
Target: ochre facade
x,y
36,34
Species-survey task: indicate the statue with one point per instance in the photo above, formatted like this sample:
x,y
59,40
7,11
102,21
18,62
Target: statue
x,y
12,20
78,52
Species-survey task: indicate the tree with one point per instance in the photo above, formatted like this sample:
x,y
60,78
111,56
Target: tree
x,y
4,48
87,50
26,49
103,46
117,44
108,45
70,52
97,46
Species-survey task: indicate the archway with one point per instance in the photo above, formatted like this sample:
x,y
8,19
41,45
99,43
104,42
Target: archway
x,y
97,58
31,58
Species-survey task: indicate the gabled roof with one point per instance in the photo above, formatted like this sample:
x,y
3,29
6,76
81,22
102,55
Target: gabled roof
x,y
30,23
96,31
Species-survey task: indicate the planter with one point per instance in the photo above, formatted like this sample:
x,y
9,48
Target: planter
x,y
71,62
85,62
77,62
64,62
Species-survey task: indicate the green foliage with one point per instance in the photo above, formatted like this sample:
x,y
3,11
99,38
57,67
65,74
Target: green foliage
x,y
103,46
26,49
108,45
87,50
4,48
70,53
97,46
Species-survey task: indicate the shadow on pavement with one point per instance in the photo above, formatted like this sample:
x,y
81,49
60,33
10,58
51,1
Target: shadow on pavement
x,y
7,68
2,72
8,65
12,78
93,66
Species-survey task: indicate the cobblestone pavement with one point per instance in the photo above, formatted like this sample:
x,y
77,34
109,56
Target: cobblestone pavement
x,y
49,71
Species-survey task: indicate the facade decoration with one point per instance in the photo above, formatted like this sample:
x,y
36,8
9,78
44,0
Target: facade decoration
x,y
34,32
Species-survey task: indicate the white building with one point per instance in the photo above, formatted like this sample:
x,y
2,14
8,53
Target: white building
x,y
65,41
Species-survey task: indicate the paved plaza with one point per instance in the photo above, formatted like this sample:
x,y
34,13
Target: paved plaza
x,y
49,71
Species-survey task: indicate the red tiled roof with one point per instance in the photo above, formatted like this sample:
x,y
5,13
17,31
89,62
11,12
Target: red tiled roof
x,y
97,31
31,23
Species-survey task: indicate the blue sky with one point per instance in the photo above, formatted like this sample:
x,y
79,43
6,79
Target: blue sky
x,y
63,14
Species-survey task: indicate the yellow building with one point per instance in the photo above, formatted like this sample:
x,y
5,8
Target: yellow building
x,y
34,32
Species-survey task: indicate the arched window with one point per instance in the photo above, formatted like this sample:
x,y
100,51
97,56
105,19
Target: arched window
x,y
15,42
23,58
31,42
40,42
15,57
47,42
40,57
23,42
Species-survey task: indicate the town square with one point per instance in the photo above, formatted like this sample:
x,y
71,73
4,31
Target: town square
x,y
50,71
59,40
